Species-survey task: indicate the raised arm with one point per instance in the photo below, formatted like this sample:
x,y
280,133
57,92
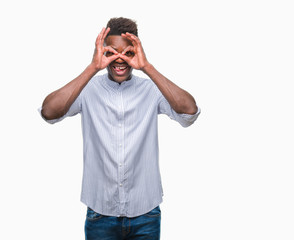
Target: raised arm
x,y
58,102
180,100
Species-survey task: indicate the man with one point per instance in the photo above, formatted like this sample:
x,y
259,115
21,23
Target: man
x,y
121,177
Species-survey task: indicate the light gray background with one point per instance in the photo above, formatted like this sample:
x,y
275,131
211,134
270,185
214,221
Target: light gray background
x,y
229,176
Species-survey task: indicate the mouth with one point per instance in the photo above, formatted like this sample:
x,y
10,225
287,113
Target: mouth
x,y
120,70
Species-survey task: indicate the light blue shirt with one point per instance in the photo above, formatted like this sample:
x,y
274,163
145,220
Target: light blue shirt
x,y
121,175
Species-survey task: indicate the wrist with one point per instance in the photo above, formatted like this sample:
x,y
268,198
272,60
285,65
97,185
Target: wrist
x,y
93,67
147,68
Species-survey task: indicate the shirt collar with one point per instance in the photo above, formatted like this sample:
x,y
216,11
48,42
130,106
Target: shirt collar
x,y
116,85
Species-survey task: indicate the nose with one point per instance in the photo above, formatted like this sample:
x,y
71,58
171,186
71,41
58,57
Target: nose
x,y
119,60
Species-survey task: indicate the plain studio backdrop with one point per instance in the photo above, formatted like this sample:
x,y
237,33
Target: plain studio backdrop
x,y
228,176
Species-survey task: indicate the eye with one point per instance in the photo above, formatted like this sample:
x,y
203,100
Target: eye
x,y
108,54
129,54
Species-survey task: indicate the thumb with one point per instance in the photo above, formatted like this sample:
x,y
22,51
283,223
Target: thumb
x,y
112,58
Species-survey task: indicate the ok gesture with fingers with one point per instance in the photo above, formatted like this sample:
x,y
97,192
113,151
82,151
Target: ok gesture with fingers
x,y
134,55
99,60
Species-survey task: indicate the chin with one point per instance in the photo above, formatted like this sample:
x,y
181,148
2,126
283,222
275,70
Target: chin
x,y
119,78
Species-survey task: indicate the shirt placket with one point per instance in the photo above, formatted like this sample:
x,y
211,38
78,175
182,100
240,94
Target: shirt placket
x,y
121,147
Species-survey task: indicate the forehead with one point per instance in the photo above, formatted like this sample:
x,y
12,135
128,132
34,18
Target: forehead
x,y
117,42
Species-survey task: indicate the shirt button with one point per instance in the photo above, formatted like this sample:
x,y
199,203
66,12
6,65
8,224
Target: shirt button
x,y
120,164
120,144
119,125
120,185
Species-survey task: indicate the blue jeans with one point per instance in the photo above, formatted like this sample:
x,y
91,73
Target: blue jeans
x,y
100,227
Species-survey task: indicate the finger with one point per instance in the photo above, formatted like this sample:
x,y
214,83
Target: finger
x,y
129,48
99,36
112,58
131,35
110,49
105,34
128,37
98,39
124,57
133,38
124,35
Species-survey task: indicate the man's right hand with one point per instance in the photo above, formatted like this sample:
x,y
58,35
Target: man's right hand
x,y
57,103
100,61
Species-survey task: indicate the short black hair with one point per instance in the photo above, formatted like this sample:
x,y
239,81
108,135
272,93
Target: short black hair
x,y
122,25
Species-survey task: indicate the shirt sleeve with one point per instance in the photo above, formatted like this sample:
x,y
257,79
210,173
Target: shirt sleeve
x,y
184,119
74,109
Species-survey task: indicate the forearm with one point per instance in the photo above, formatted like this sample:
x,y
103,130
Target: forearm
x,y
180,100
58,102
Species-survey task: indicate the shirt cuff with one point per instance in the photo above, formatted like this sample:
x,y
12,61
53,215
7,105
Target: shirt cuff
x,y
48,121
189,119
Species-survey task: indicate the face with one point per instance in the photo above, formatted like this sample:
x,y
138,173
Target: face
x,y
118,70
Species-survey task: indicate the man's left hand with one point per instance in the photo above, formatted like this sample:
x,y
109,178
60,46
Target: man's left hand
x,y
134,55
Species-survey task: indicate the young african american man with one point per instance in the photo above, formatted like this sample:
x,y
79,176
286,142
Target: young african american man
x,y
121,184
